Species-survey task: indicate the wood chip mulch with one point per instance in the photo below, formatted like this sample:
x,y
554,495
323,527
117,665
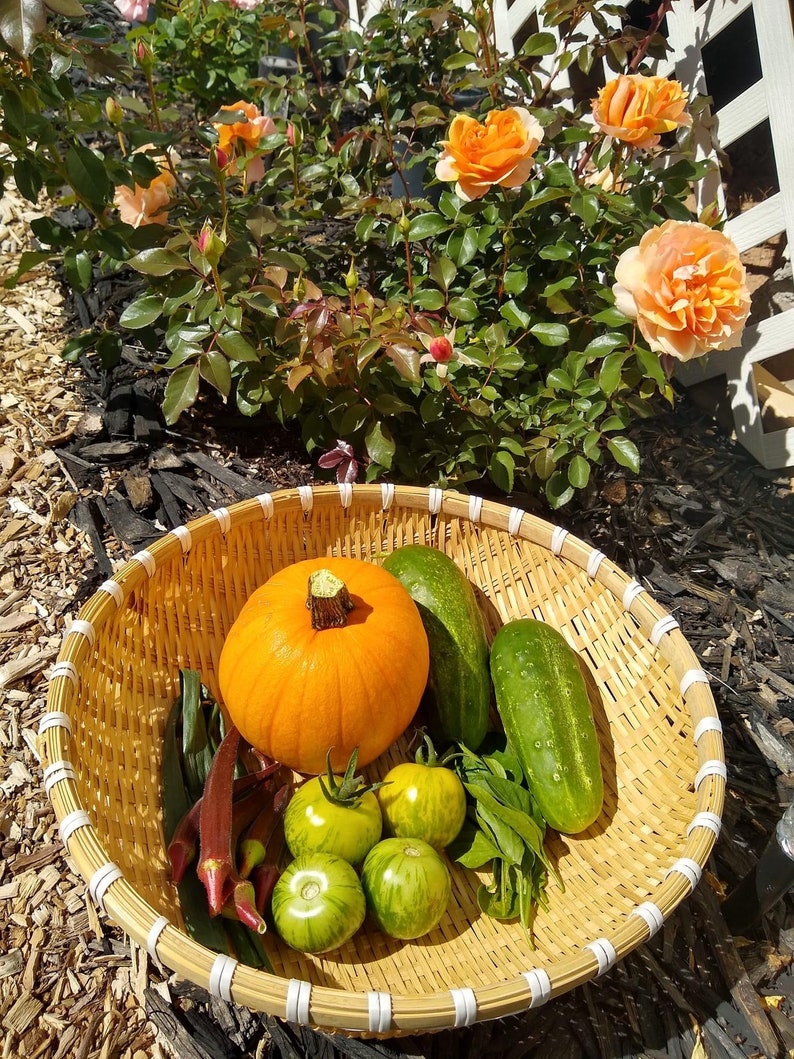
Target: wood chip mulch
x,y
89,474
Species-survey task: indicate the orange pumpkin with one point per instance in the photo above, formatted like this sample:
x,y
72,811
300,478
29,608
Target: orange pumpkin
x,y
329,653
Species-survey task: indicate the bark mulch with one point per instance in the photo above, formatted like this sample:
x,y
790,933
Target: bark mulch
x,y
89,474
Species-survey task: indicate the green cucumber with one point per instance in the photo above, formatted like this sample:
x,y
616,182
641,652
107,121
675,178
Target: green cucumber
x,y
458,696
547,715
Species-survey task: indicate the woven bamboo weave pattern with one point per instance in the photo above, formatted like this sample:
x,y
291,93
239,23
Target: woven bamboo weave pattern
x,y
171,607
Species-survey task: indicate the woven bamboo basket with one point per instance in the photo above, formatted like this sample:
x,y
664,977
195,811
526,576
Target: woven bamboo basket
x,y
171,605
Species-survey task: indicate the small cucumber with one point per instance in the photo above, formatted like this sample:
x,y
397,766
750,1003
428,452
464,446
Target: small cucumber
x,y
543,702
458,692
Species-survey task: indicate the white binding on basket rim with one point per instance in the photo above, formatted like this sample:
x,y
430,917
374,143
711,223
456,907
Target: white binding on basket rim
x,y
630,593
687,867
113,589
514,520
306,494
594,560
693,676
99,883
55,719
539,983
706,819
81,627
386,495
345,494
707,724
435,496
558,539
155,930
604,952
56,772
299,995
72,822
712,767
465,1001
379,1011
224,518
266,503
147,561
651,914
475,508
661,628
65,668
184,536
221,974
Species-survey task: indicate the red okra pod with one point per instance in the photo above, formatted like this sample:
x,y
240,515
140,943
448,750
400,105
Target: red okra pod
x,y
183,847
215,822
241,904
252,848
264,878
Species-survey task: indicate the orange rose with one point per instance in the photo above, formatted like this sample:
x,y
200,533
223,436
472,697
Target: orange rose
x,y
139,206
638,109
239,138
685,285
500,151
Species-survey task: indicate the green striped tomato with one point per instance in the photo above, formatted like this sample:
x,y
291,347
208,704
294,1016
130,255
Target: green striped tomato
x,y
318,903
407,886
313,824
422,801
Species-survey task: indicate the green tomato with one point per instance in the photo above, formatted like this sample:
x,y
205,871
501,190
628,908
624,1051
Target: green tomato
x,y
318,903
422,801
407,886
314,824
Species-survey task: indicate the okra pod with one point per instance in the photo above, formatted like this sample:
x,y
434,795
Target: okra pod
x,y
252,848
215,822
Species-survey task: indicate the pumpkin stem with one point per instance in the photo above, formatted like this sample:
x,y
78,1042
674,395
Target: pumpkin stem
x,y
328,600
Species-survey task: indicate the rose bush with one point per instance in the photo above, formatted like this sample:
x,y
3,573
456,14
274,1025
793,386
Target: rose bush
x,y
403,243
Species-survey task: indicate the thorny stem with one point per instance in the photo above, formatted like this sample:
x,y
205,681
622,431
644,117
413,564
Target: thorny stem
x,y
217,281
318,75
576,17
486,30
390,144
153,96
409,275
656,20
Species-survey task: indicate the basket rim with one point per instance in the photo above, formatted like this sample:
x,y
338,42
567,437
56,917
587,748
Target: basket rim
x,y
376,1012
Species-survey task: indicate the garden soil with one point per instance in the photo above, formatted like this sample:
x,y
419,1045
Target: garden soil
x,y
89,473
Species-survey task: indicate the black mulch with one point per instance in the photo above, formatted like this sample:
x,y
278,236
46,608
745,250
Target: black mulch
x,y
711,534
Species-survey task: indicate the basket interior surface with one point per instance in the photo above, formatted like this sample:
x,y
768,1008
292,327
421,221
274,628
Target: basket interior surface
x,y
179,616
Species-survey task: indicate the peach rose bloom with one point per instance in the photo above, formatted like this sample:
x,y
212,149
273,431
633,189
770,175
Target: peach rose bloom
x,y
636,109
685,285
240,138
139,206
499,151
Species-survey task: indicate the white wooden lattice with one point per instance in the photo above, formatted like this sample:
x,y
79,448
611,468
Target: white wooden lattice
x,y
757,373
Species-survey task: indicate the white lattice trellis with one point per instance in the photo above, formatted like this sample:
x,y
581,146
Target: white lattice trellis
x,y
758,372
769,334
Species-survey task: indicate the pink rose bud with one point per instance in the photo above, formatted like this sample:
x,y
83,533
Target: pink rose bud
x,y
440,349
203,241
291,134
221,158
143,53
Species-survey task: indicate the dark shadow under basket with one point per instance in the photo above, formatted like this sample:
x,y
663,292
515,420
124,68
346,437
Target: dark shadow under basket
x,y
171,607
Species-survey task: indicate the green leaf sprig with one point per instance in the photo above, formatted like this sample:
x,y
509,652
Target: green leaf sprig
x,y
503,827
